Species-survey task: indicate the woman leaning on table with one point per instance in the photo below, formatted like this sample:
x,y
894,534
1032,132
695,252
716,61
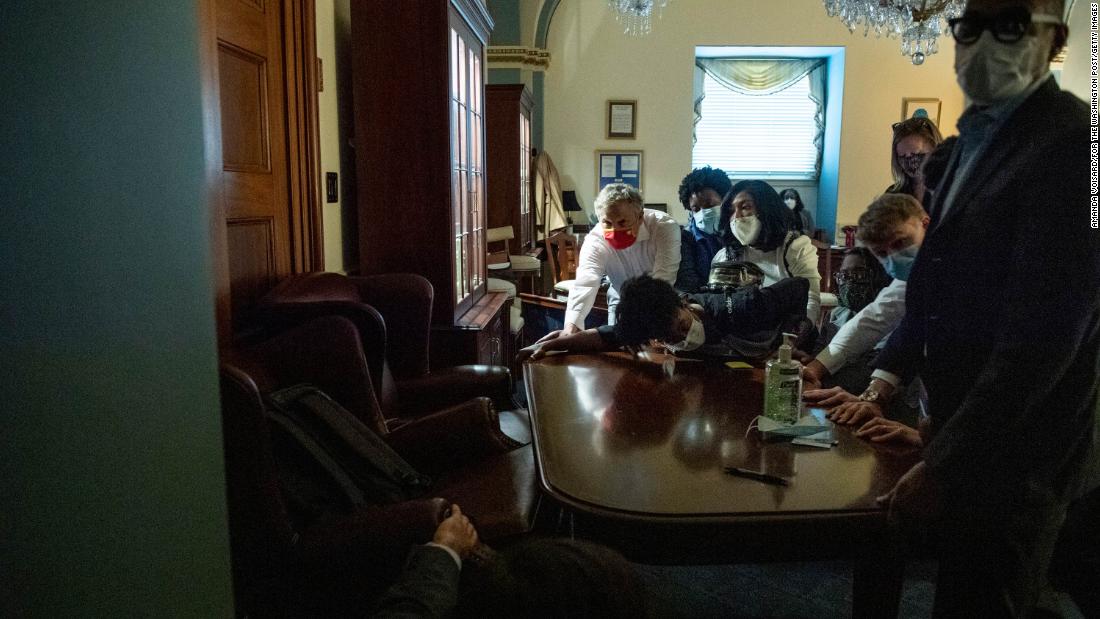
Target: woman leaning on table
x,y
756,227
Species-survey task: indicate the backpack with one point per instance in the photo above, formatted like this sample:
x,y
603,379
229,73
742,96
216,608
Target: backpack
x,y
329,461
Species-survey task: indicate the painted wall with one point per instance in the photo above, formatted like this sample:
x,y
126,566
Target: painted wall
x,y
1077,70
111,470
593,62
336,112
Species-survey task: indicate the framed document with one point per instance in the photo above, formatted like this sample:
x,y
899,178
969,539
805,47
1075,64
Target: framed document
x,y
621,119
618,166
914,107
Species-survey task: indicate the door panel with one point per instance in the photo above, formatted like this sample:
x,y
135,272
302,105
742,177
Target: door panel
x,y
255,177
252,241
245,148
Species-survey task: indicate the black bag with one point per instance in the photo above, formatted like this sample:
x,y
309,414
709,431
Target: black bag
x,y
330,461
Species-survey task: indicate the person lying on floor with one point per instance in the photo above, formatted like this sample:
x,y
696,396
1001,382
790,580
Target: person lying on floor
x,y
650,310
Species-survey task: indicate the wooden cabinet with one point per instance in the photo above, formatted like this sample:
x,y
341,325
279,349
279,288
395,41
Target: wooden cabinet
x,y
480,336
418,70
508,162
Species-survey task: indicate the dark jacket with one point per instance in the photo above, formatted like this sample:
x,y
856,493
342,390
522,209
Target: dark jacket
x,y
1003,311
428,587
697,249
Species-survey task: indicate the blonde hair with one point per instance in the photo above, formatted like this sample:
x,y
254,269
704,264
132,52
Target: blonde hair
x,y
886,213
617,192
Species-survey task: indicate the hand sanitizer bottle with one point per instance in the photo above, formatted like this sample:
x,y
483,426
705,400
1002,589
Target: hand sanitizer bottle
x,y
783,386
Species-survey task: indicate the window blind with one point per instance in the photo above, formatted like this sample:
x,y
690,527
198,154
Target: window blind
x,y
769,136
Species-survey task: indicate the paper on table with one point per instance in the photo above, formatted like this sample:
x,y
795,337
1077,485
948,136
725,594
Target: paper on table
x,y
805,426
738,365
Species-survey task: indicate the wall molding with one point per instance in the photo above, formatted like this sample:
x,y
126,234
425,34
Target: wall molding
x,y
516,57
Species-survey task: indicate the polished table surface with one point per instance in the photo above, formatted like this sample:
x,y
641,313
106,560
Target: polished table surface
x,y
635,460
614,436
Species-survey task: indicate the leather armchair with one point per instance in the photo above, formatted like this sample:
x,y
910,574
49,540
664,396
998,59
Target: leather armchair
x,y
393,315
462,448
283,569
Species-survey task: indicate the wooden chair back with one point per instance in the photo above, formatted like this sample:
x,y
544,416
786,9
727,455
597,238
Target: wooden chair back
x,y
561,251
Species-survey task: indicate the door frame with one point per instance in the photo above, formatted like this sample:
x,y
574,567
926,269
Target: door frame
x,y
299,42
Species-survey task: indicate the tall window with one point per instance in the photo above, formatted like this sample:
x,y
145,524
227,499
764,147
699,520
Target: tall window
x,y
467,173
773,135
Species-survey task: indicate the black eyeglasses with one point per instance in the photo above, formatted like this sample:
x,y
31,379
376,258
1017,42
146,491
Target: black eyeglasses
x,y
1007,26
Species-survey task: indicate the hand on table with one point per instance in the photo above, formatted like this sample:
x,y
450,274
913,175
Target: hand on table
x,y
915,497
456,533
882,430
854,413
828,398
535,351
802,357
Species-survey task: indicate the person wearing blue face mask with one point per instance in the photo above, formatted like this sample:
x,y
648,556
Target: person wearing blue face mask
x,y
702,193
1002,319
891,231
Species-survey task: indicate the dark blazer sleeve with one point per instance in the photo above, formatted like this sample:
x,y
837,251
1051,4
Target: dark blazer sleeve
x,y
1029,407
688,278
428,587
903,350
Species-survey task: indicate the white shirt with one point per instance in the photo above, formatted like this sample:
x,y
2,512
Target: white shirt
x,y
656,251
802,259
866,329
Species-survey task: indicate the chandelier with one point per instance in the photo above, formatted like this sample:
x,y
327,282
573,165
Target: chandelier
x,y
919,23
636,15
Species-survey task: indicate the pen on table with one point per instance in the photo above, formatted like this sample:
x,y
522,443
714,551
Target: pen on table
x,y
757,475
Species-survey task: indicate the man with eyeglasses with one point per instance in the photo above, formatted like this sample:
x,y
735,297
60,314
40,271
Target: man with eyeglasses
x,y
1003,319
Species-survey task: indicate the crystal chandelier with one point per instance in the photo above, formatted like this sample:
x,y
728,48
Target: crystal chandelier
x,y
919,23
635,15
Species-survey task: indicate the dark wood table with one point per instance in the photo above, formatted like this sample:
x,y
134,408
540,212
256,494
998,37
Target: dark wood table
x,y
635,460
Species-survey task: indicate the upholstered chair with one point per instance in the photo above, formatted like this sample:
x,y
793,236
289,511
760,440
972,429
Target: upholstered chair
x,y
281,564
392,313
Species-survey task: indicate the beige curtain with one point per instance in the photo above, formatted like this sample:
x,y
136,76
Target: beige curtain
x,y
549,211
764,76
757,76
819,94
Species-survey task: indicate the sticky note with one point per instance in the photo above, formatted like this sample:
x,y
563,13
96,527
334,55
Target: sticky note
x,y
738,365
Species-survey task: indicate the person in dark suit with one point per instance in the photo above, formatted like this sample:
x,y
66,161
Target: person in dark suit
x,y
428,586
1003,319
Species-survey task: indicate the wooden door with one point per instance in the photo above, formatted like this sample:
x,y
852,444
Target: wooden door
x,y
265,50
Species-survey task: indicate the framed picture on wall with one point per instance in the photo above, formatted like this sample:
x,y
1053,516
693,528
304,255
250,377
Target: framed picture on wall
x,y
618,166
621,119
914,107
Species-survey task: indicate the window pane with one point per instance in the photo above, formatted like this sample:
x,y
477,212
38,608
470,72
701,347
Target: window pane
x,y
757,136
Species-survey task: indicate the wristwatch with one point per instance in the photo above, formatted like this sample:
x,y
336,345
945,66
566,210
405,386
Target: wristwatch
x,y
870,395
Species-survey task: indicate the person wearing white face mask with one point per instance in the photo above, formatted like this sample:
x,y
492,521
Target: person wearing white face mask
x,y
804,221
756,227
1002,319
651,311
701,193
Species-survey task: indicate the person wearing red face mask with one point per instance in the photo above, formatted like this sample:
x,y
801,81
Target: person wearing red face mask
x,y
630,241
